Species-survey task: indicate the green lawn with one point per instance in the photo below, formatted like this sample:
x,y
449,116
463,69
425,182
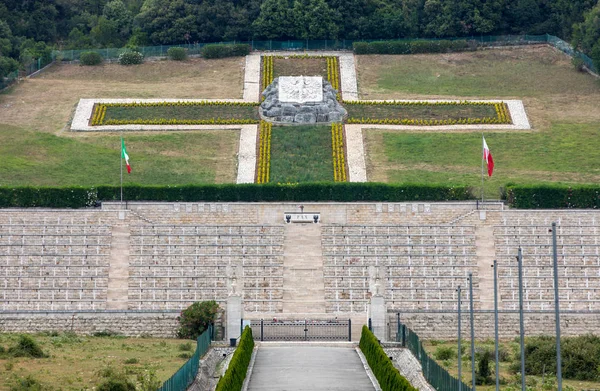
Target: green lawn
x,y
427,112
74,362
560,155
195,112
301,154
35,158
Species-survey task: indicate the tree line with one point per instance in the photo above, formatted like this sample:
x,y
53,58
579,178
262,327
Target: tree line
x,y
31,28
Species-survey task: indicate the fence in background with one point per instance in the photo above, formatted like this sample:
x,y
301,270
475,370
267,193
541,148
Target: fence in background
x,y
436,375
182,379
299,45
32,68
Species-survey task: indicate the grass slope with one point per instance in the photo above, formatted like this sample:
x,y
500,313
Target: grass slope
x,y
301,154
36,158
74,361
562,105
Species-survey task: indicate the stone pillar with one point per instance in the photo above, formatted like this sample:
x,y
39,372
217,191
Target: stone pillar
x,y
234,316
378,314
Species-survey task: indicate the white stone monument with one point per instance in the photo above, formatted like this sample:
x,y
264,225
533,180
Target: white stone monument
x,y
300,89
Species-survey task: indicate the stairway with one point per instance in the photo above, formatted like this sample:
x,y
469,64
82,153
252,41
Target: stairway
x,y
303,286
118,273
486,253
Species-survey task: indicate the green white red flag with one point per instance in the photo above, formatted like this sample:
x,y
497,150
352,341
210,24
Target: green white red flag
x,y
125,156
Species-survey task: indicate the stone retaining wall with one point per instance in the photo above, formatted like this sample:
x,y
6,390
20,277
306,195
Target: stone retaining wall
x,y
444,325
155,324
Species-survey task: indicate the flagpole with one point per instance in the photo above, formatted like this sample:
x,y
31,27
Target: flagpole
x,y
482,157
121,166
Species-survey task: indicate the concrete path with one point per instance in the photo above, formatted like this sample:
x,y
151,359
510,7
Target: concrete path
x,y
308,368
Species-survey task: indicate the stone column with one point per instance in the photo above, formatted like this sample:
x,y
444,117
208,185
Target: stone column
x,y
234,316
378,314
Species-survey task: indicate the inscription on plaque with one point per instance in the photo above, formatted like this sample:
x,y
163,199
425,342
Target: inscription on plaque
x,y
300,89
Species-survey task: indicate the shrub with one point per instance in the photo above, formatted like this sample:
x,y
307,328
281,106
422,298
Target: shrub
x,y
26,347
483,369
90,58
196,318
106,333
578,63
233,379
222,50
177,54
114,380
185,347
444,353
28,383
131,58
387,375
132,360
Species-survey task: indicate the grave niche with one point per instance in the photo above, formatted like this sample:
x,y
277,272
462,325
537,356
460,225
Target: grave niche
x,y
297,100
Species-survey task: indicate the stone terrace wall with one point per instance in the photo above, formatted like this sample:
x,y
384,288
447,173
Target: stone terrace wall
x,y
130,324
444,325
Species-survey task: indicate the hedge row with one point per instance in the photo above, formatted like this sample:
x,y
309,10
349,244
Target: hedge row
x,y
553,197
413,47
223,50
387,375
80,197
233,380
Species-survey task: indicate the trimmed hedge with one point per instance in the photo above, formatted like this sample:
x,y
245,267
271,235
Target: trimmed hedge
x,y
80,197
387,375
131,58
225,50
233,380
553,197
412,47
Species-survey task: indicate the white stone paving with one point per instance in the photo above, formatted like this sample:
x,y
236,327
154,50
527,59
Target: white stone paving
x,y
252,78
355,154
348,76
247,154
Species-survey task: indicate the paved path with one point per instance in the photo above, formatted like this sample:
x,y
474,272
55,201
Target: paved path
x,y
308,368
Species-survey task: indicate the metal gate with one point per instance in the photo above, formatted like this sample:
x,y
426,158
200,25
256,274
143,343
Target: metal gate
x,y
302,330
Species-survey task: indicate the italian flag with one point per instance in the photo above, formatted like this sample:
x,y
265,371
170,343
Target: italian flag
x,y
487,156
125,156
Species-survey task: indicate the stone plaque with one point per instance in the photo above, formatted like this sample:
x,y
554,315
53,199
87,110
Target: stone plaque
x,y
300,89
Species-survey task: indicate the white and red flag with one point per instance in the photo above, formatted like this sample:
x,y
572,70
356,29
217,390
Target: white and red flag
x,y
487,156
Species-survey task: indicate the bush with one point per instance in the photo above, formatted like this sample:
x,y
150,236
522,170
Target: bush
x,y
578,63
185,347
28,383
90,58
484,375
444,353
233,379
177,54
196,318
131,58
387,375
553,197
81,197
132,360
580,357
114,380
26,347
222,50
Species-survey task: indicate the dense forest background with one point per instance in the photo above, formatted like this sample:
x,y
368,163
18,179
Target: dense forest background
x,y
30,29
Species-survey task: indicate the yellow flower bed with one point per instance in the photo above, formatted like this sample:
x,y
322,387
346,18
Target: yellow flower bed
x,y
338,152
333,73
267,76
99,113
264,152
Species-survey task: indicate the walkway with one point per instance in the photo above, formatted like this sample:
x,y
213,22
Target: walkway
x,y
298,368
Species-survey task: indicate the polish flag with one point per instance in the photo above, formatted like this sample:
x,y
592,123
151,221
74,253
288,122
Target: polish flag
x,y
125,156
487,156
